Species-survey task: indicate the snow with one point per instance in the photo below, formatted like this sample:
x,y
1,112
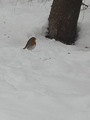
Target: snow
x,y
52,82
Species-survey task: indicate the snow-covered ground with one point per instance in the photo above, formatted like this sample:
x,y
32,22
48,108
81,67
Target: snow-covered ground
x,y
52,82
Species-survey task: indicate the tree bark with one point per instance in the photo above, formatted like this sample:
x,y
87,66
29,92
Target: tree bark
x,y
63,20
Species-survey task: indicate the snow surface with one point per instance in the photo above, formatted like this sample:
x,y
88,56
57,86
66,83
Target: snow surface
x,y
52,82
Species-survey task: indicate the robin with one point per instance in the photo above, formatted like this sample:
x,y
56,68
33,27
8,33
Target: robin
x,y
31,44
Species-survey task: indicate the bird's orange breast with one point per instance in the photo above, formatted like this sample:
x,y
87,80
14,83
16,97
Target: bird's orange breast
x,y
33,42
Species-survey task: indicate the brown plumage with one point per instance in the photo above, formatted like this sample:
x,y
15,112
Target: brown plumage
x,y
31,44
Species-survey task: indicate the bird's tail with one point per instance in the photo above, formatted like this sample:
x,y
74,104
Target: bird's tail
x,y
24,47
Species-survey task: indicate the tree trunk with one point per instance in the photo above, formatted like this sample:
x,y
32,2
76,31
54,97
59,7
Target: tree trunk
x,y
63,20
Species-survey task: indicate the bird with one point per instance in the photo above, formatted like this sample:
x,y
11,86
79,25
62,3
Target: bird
x,y
31,44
